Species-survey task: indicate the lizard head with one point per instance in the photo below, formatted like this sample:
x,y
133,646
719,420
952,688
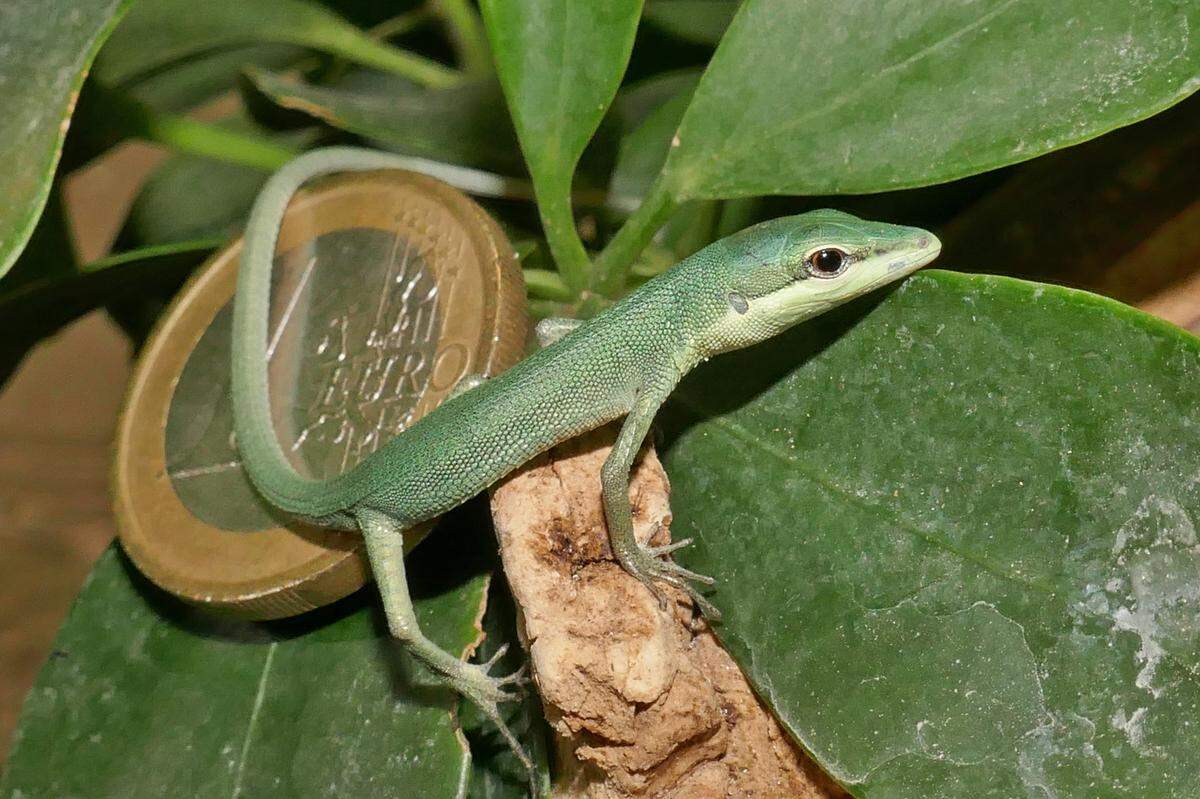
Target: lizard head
x,y
787,270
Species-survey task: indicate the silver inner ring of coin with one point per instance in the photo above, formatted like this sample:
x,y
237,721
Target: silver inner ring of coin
x,y
353,334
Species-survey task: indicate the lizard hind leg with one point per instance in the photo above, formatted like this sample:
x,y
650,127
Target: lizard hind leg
x,y
385,549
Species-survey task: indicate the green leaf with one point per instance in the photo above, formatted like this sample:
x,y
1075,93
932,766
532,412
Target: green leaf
x,y
649,113
36,308
44,55
812,97
192,197
143,697
636,101
160,32
700,21
644,149
560,63
465,125
953,532
192,81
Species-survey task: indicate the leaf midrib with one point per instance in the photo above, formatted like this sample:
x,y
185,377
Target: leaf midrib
x,y
731,145
737,431
983,563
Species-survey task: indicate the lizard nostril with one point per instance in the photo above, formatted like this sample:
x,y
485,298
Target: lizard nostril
x,y
923,242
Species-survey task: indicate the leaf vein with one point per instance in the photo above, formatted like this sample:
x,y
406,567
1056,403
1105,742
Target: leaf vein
x,y
254,711
735,430
985,564
731,144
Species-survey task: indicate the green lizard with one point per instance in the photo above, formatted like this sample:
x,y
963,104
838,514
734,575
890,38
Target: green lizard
x,y
736,292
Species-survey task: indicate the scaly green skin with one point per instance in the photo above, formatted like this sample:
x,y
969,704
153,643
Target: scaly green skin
x,y
734,293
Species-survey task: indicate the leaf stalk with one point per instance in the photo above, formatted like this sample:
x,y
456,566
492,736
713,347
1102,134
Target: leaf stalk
x,y
611,269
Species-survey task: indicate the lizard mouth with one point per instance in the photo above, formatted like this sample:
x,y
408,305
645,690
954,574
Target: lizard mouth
x,y
925,250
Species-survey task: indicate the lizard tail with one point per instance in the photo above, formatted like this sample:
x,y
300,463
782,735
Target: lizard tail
x,y
262,455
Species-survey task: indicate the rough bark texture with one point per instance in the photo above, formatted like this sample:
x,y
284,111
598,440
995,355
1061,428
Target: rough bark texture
x,y
645,702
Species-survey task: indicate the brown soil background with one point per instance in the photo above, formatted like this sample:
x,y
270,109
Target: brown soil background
x,y
57,418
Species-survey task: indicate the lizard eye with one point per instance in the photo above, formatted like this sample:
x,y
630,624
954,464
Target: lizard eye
x,y
828,262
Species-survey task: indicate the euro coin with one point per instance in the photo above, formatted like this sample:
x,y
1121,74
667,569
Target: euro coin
x,y
388,288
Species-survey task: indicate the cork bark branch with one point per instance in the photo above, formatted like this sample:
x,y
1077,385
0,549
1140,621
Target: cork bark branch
x,y
644,702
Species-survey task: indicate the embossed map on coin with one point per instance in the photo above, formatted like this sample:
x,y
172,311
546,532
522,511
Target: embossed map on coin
x,y
353,335
353,347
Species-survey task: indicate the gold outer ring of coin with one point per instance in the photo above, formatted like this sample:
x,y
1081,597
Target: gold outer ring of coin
x,y
284,571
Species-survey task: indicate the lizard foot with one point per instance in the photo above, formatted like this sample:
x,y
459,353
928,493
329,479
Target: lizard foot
x,y
476,682
646,564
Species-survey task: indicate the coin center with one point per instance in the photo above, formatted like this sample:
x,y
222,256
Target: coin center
x,y
353,335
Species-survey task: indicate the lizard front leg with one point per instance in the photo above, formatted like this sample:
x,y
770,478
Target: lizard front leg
x,y
643,562
552,329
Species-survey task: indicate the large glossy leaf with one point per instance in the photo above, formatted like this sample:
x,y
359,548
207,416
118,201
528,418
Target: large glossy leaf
x,y
145,698
560,63
813,97
160,32
44,54
954,537
644,149
465,124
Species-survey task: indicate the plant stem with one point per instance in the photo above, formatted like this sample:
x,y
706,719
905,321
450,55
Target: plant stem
x,y
465,29
127,117
113,260
613,264
200,138
547,285
558,223
370,53
401,24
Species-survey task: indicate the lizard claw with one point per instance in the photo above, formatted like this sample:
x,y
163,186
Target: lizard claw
x,y
488,692
667,549
646,564
475,681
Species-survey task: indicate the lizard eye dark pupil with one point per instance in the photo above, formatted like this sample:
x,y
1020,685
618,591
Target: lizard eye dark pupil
x,y
827,262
